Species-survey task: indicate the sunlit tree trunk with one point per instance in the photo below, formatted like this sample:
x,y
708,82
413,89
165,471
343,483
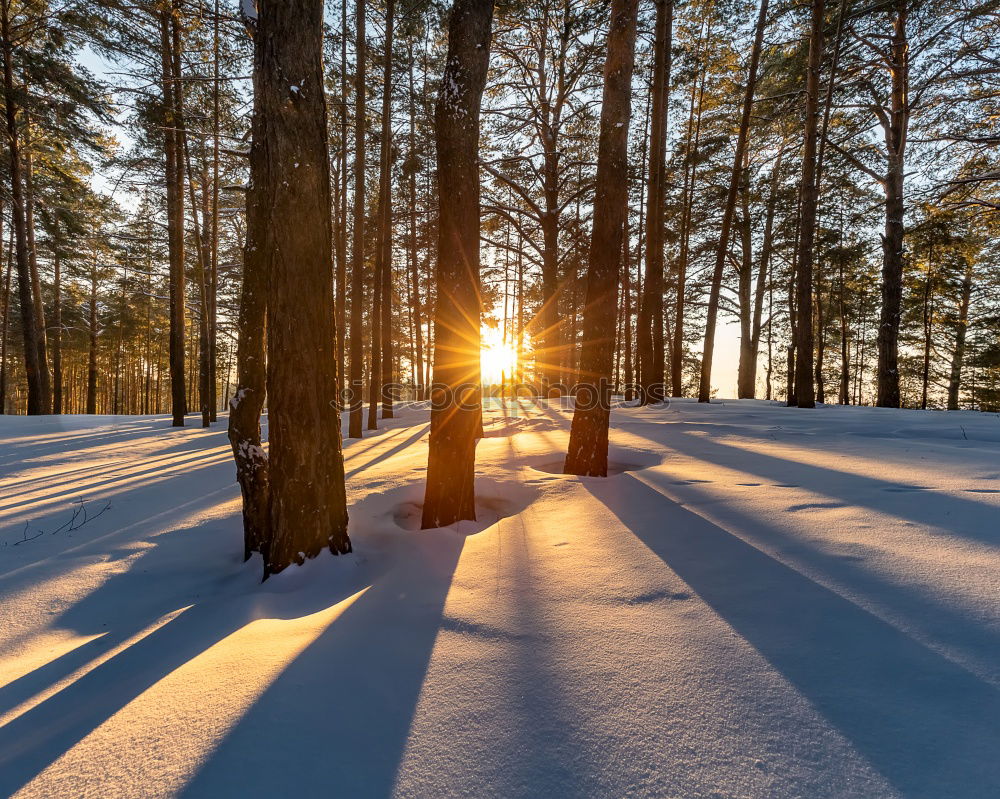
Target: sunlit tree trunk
x,y
649,326
587,453
456,415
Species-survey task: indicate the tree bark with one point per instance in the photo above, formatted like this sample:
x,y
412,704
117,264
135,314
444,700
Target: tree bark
x,y
41,334
57,367
649,326
251,360
93,333
587,453
175,215
355,389
746,380
384,257
6,320
455,413
340,279
722,252
958,356
29,322
892,239
308,507
804,390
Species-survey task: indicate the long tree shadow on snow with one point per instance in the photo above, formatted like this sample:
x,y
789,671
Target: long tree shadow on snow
x,y
928,725
965,517
336,721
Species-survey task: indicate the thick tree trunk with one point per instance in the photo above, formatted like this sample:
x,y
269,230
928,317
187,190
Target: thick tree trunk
x,y
175,215
355,389
587,453
804,390
892,240
251,360
958,356
308,508
729,209
41,334
29,322
649,326
455,413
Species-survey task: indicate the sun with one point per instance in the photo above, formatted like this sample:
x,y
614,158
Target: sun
x,y
497,357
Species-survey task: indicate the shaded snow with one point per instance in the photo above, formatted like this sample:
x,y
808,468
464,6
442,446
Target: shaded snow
x,y
763,602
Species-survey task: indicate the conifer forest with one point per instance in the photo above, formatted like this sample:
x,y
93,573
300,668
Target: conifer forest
x,y
639,360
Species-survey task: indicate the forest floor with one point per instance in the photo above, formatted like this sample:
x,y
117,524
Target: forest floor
x,y
762,602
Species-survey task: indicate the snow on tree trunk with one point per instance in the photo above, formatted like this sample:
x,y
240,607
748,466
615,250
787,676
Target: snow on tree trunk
x,y
251,365
308,504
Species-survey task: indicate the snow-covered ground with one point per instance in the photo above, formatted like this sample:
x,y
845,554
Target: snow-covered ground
x,y
763,602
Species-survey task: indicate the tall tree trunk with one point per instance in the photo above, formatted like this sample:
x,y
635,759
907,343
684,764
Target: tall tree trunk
x,y
649,326
308,508
415,304
629,375
41,335
820,336
456,414
927,317
845,345
93,333
251,359
804,390
175,213
729,209
213,285
892,239
687,204
385,218
958,355
340,279
57,365
746,387
29,323
5,301
355,390
587,453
